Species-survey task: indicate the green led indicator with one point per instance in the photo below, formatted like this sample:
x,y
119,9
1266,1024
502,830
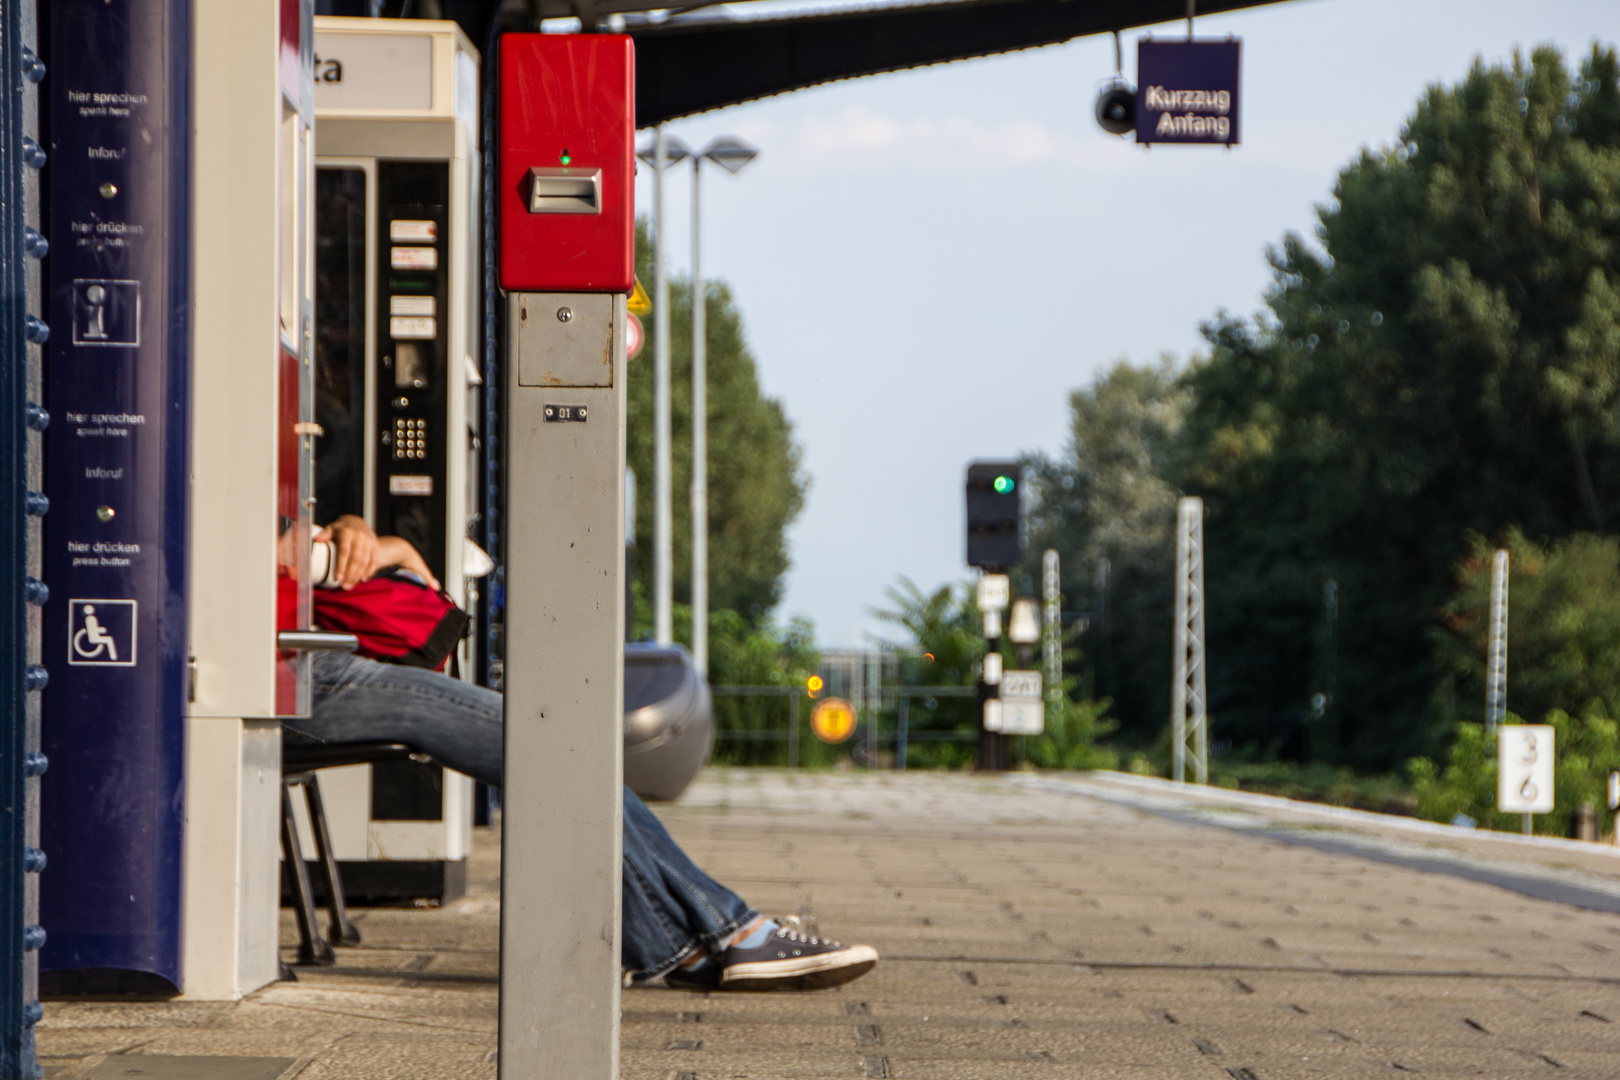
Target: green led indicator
x,y
1003,484
566,158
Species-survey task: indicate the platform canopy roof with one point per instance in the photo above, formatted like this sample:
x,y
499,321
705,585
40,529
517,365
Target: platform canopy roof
x,y
709,55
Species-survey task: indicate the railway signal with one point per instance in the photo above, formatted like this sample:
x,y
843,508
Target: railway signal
x,y
994,516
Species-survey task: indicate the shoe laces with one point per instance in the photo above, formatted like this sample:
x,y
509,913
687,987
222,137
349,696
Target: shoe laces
x,y
791,928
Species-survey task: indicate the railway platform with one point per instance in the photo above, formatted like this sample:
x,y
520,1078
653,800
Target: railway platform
x,y
1063,925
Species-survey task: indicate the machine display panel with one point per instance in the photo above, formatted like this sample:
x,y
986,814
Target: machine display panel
x,y
413,201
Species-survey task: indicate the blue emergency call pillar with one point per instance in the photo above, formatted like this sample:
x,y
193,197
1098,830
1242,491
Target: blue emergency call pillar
x,y
118,292
565,188
179,377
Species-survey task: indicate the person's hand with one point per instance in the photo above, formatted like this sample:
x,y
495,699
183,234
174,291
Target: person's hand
x,y
397,551
287,548
356,550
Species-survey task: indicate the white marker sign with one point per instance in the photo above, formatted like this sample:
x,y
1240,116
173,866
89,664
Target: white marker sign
x,y
1524,769
1023,709
995,590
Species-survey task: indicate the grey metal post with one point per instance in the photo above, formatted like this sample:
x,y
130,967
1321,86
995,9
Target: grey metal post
x,y
1496,657
700,438
874,699
563,809
663,529
1052,630
793,731
1187,710
902,732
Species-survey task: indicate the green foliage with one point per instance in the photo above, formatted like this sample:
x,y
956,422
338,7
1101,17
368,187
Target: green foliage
x,y
757,653
945,626
1563,624
945,644
1316,781
945,647
1109,497
756,484
1073,729
1587,749
1443,362
764,654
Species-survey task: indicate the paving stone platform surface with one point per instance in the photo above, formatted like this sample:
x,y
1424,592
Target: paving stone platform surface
x,y
1060,925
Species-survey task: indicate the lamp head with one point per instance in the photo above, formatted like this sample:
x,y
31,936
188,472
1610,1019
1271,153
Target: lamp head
x,y
730,153
675,151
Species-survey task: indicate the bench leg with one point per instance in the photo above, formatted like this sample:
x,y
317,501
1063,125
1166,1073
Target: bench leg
x,y
340,930
312,947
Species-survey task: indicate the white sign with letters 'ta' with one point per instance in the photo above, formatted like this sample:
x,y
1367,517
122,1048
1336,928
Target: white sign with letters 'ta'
x,y
373,71
1524,769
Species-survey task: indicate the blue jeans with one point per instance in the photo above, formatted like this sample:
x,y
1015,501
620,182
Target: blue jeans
x,y
671,908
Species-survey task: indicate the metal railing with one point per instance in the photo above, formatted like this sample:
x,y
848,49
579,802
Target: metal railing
x,y
903,735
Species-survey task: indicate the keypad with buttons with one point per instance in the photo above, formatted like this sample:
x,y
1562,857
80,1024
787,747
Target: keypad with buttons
x,y
410,438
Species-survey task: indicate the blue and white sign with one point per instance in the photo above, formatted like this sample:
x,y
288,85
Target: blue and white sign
x,y
106,313
1187,91
102,632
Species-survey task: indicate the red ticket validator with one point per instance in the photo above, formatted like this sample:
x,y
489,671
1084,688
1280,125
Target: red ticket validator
x,y
567,163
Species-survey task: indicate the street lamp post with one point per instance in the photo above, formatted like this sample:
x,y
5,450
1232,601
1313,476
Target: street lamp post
x,y
731,154
664,152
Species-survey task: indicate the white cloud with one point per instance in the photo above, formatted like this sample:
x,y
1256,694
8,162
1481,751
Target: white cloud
x,y
860,139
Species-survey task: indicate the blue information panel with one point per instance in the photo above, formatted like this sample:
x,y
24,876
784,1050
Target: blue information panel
x,y
117,378
1187,91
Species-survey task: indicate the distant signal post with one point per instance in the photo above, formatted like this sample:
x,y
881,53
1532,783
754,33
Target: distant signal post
x,y
994,545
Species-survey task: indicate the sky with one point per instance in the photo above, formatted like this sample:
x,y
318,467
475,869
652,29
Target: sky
x,y
929,262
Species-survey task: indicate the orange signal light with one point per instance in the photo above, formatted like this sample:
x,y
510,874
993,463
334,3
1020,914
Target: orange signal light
x,y
814,685
832,721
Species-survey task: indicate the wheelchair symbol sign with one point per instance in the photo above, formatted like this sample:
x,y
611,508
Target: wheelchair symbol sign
x,y
101,633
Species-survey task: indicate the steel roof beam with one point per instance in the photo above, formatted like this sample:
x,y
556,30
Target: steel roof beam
x,y
691,65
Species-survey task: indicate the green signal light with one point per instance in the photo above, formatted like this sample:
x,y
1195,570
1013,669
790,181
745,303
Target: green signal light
x,y
566,158
1003,485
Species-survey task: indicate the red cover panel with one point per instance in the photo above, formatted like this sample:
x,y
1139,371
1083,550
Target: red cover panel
x,y
573,96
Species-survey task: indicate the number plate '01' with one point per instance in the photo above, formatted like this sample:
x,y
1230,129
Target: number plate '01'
x,y
1524,769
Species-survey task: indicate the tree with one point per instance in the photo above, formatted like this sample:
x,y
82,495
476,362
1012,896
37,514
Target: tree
x,y
1563,627
1109,496
944,647
1447,361
943,644
756,483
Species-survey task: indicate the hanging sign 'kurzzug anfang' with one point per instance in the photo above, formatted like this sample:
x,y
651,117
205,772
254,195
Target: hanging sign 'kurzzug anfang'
x,y
1187,91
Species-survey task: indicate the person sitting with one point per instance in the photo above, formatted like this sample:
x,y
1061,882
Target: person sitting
x,y
679,924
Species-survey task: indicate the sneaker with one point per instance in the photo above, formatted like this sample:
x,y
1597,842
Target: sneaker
x,y
704,977
789,959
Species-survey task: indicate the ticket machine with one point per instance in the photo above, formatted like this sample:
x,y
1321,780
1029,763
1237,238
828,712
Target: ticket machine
x,y
397,377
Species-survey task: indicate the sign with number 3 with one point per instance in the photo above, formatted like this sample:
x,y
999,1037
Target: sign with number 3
x,y
1524,769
